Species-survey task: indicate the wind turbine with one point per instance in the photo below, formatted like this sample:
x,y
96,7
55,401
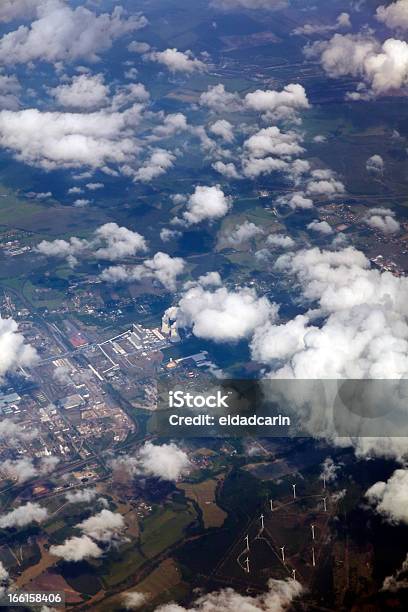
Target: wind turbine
x,y
294,574
247,541
313,532
313,558
324,482
262,522
324,504
271,505
283,553
294,491
247,565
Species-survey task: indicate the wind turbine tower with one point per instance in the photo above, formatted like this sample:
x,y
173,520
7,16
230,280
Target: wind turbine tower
x,y
313,558
313,532
247,565
294,491
283,553
247,541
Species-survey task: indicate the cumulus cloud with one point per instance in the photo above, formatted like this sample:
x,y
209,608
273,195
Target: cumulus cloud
x,y
23,515
132,600
159,161
222,315
165,461
13,9
284,104
242,233
206,203
382,219
329,470
218,99
321,227
324,184
24,469
178,61
363,331
10,90
161,267
77,549
53,140
395,15
271,141
61,33
82,496
224,129
383,68
167,234
280,241
390,499
310,29
295,200
277,598
14,352
85,92
399,580
375,164
12,433
226,169
105,526
110,241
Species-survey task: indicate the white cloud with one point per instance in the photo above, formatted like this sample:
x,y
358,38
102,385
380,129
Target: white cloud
x,y
226,169
222,315
161,267
242,233
224,129
382,67
363,328
310,29
14,352
295,200
23,515
132,600
324,184
110,241
178,61
284,104
277,598
10,90
399,580
271,141
24,469
61,33
322,227
206,203
390,499
85,92
280,241
81,496
165,461
395,15
13,9
13,433
77,549
382,219
105,526
167,234
70,140
219,100
375,164
329,470
158,163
